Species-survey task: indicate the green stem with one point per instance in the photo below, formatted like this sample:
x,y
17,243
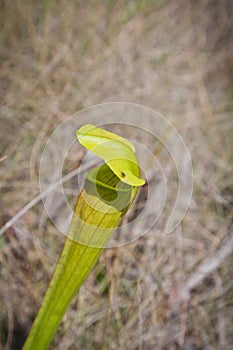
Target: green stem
x,y
73,267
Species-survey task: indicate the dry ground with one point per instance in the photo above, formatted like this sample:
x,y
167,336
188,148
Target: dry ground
x,y
176,57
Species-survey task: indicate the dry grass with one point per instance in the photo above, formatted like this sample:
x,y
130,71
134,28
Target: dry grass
x,y
174,56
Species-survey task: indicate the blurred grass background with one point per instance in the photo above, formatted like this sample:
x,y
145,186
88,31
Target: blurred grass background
x,y
58,57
